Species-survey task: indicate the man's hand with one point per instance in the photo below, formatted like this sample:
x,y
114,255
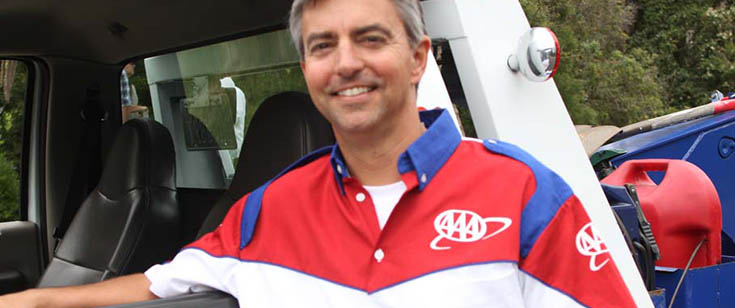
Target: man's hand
x,y
121,290
128,110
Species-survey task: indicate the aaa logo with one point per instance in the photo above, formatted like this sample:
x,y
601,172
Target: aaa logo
x,y
589,243
464,226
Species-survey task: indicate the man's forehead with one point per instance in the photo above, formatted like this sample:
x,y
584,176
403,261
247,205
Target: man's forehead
x,y
358,28
330,16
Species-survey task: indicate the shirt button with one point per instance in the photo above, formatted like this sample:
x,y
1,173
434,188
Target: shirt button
x,y
360,197
423,178
339,169
379,255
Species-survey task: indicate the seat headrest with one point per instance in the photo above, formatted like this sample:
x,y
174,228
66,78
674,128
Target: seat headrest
x,y
285,127
142,154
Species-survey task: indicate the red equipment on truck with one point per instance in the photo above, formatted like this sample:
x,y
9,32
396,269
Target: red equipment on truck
x,y
683,209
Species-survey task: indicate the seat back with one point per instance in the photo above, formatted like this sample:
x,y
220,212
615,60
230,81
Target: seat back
x,y
131,220
286,127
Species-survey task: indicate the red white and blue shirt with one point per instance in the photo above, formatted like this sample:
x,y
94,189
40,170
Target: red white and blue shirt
x,y
481,224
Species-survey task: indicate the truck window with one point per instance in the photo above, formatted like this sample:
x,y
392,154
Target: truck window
x,y
206,97
13,84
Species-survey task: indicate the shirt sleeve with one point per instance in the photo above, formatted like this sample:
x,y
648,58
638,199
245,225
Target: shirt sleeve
x,y
569,265
205,264
563,261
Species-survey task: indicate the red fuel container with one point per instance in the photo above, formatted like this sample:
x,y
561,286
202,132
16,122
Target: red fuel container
x,y
683,209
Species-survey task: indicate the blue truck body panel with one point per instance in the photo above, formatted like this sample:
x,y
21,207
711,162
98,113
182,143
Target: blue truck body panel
x,y
708,143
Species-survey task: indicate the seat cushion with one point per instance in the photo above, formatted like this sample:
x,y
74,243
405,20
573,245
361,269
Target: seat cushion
x,y
131,220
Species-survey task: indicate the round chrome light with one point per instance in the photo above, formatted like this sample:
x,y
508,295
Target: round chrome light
x,y
537,56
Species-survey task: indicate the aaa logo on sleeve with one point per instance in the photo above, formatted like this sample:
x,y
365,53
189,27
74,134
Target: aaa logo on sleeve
x,y
465,226
590,244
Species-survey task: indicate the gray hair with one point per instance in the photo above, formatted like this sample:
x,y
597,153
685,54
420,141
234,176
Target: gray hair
x,y
408,10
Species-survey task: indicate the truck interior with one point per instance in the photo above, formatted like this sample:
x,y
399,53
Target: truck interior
x,y
225,110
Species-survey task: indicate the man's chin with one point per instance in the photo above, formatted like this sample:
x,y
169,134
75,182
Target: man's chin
x,y
355,126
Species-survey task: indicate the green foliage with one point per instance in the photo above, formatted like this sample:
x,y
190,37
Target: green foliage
x,y
601,79
140,82
11,127
11,118
263,84
9,191
692,44
620,88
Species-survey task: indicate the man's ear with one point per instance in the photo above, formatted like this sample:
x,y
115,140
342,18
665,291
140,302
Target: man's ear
x,y
420,54
303,65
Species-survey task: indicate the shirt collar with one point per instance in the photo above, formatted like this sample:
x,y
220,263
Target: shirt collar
x,y
426,155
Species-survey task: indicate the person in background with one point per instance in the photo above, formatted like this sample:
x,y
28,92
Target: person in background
x,y
240,105
128,94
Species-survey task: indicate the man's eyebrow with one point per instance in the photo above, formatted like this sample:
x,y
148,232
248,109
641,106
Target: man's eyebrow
x,y
371,28
319,36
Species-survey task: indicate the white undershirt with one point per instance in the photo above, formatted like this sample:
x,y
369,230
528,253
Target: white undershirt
x,y
385,198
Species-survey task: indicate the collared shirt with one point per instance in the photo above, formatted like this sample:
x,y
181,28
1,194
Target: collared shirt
x,y
125,97
481,224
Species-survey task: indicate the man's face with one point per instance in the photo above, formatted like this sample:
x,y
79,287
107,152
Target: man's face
x,y
359,66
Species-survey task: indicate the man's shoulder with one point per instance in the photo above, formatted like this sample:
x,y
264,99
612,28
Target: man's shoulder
x,y
291,181
313,169
499,152
513,160
305,167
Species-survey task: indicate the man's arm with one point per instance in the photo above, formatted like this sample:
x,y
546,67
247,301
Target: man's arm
x,y
125,289
569,264
127,110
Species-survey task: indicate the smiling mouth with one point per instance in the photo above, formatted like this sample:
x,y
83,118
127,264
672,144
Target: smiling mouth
x,y
354,91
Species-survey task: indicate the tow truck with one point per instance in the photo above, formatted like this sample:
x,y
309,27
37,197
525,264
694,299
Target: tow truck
x,y
209,66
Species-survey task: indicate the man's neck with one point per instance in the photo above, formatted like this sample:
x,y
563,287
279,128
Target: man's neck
x,y
372,158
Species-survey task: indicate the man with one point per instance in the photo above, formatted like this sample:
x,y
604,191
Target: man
x,y
240,106
128,95
398,213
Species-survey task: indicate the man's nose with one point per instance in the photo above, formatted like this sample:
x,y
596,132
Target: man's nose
x,y
349,61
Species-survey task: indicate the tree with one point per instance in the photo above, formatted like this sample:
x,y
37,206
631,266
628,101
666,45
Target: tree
x,y
9,191
11,127
692,44
140,81
601,79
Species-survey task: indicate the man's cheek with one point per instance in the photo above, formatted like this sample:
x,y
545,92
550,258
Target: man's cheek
x,y
311,86
315,80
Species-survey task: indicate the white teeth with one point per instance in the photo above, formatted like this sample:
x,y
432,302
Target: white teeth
x,y
353,91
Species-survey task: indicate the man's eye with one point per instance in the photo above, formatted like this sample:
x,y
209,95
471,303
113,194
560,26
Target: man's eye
x,y
319,46
373,39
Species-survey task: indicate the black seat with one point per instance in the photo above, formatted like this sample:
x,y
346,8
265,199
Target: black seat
x,y
286,127
131,220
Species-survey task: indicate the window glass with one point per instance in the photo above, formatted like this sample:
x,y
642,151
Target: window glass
x,y
206,97
13,85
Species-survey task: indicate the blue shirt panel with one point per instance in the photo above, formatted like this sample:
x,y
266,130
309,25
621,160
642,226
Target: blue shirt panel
x,y
551,192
